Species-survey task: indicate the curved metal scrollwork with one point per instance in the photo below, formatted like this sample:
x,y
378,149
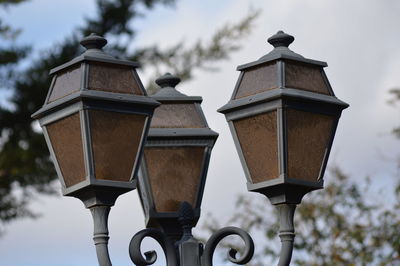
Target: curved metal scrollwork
x,y
221,234
151,256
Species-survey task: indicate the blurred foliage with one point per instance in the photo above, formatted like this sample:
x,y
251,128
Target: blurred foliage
x,y
10,54
25,166
346,223
182,61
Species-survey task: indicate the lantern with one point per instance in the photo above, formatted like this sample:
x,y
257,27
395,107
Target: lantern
x,y
283,116
176,157
95,120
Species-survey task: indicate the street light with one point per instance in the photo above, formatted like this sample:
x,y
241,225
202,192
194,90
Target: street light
x,y
283,116
95,120
176,156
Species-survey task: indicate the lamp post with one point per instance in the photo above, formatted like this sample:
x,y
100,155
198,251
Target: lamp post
x,y
98,121
95,120
283,116
172,180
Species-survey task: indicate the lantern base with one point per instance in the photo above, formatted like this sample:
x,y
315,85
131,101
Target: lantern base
x,y
98,196
169,223
283,193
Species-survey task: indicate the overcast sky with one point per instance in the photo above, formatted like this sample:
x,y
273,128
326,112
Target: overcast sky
x,y
359,39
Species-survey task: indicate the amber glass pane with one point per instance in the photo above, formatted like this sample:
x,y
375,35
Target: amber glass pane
x,y
66,83
305,77
115,140
308,139
65,137
177,115
113,78
174,174
258,139
258,79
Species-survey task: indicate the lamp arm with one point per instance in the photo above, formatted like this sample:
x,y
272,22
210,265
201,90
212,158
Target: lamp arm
x,y
100,234
286,232
221,234
151,256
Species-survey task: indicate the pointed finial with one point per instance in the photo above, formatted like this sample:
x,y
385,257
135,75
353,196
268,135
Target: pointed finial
x,y
281,39
93,41
186,216
168,80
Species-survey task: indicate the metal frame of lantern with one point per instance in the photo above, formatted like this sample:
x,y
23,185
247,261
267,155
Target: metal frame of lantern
x,y
167,137
81,102
283,188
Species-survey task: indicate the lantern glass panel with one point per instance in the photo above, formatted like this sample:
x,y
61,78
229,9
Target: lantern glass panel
x,y
258,79
115,142
177,115
66,140
305,77
308,135
113,78
257,136
174,174
66,83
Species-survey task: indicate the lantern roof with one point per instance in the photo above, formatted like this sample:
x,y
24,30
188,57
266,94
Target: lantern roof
x,y
168,92
281,42
282,74
178,115
94,75
94,52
